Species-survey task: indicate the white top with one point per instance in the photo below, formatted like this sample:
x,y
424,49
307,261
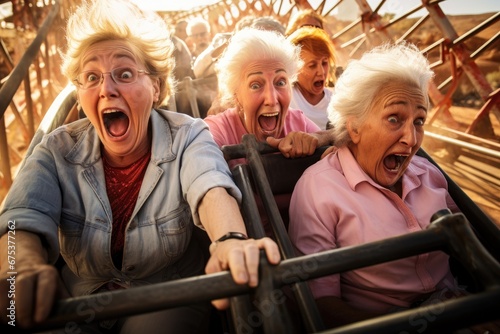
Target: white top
x,y
317,113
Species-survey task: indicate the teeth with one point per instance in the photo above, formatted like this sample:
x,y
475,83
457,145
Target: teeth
x,y
110,111
271,115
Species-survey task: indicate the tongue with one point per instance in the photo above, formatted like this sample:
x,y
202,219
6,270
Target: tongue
x,y
390,162
268,123
117,124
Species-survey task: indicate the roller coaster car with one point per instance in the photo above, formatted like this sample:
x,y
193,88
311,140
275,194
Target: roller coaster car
x,y
283,303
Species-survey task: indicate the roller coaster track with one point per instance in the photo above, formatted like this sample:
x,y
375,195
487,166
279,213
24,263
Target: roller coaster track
x,y
30,77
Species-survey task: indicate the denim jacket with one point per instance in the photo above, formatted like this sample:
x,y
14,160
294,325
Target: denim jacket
x,y
60,194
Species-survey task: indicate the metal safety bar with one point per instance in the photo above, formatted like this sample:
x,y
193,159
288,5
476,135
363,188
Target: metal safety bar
x,y
450,233
303,295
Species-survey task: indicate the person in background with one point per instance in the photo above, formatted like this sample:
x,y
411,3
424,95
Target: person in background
x,y
373,188
182,55
180,29
305,18
204,64
119,195
199,34
310,92
268,23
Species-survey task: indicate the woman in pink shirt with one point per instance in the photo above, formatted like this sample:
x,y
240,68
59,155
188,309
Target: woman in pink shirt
x,y
374,187
255,74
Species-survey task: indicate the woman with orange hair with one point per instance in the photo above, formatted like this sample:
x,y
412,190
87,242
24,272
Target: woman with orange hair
x,y
310,93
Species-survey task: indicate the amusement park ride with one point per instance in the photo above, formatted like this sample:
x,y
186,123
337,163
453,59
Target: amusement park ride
x,y
464,123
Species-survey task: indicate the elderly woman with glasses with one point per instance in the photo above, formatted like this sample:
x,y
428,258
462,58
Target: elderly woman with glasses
x,y
119,195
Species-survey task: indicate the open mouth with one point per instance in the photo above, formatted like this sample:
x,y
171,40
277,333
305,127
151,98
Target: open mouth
x,y
116,122
269,122
394,162
319,84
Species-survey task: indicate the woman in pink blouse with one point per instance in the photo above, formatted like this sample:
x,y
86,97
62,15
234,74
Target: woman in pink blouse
x,y
255,74
374,187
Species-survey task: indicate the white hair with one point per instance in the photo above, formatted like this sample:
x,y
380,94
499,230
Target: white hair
x,y
249,45
362,79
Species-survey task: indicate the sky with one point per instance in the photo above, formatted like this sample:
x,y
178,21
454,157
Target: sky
x,y
451,7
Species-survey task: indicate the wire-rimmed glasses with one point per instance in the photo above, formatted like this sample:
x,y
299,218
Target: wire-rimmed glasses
x,y
120,75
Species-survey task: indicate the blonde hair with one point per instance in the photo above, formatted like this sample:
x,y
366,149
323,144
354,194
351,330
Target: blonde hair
x,y
146,32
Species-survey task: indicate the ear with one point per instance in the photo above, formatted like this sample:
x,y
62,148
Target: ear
x,y
353,131
156,90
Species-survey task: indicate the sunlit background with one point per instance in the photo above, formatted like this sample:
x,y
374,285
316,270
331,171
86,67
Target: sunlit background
x,y
451,7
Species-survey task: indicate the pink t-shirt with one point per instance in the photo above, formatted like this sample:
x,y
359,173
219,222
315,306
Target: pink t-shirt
x,y
336,204
227,128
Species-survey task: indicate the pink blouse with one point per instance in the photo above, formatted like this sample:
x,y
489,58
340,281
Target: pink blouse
x,y
336,204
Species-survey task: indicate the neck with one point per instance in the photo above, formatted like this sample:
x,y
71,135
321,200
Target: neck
x,y
311,98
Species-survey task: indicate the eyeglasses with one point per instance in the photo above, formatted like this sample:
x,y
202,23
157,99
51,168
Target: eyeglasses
x,y
120,75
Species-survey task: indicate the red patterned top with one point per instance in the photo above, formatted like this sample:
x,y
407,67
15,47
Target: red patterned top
x,y
123,185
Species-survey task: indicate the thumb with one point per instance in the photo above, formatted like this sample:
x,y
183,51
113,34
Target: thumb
x,y
274,142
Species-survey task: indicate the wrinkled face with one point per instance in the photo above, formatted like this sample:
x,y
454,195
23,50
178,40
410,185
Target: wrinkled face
x,y
119,112
263,97
313,75
392,133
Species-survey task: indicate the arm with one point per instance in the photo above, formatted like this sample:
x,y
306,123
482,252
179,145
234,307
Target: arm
x,y
35,282
219,214
300,144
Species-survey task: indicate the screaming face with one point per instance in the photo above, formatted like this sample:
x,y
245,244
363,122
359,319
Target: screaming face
x,y
119,111
391,134
263,98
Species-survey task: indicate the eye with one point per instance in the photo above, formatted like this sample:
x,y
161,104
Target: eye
x,y
419,121
392,119
124,74
91,76
281,83
254,85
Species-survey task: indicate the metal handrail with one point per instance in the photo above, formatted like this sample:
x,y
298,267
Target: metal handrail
x,y
450,233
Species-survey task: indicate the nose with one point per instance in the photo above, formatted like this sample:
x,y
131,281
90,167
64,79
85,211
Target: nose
x,y
271,95
409,135
322,71
107,85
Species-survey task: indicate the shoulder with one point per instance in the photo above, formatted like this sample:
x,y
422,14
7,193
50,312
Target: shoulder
x,y
422,165
69,133
174,119
227,117
296,120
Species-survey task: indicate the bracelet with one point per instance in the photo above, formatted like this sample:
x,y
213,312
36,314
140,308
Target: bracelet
x,y
228,235
232,235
